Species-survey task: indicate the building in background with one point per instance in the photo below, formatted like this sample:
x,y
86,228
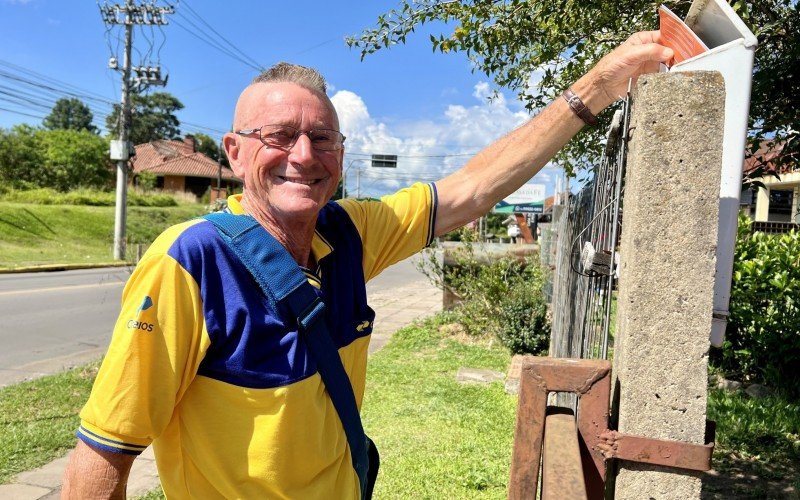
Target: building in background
x,y
179,167
778,203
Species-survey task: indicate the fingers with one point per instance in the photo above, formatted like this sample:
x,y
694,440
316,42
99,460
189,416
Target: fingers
x,y
649,52
644,37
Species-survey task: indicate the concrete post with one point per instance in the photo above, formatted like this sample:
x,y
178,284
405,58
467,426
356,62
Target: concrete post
x,y
666,289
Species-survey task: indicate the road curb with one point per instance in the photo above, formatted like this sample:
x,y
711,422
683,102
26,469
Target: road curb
x,y
62,267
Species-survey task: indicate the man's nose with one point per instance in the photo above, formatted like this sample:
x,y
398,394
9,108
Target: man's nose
x,y
302,146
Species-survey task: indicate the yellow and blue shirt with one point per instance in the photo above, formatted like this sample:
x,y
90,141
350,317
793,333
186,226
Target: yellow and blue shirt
x,y
201,367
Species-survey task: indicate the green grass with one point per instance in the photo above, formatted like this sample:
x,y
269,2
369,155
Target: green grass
x,y
155,494
38,419
68,234
757,452
438,438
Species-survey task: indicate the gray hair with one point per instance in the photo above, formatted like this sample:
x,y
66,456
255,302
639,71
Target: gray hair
x,y
293,73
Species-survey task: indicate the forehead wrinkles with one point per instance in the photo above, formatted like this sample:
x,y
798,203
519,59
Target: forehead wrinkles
x,y
268,103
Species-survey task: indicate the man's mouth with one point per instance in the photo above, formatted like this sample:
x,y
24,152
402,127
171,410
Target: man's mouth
x,y
305,182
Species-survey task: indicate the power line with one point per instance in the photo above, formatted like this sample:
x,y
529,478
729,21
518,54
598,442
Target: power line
x,y
21,113
231,45
216,46
48,79
455,155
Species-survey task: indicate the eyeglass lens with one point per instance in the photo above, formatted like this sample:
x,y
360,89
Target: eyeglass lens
x,y
284,137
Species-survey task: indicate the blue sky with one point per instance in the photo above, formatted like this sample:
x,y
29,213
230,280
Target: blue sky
x,y
428,108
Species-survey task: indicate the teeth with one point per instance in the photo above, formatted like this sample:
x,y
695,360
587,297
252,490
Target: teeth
x,y
301,181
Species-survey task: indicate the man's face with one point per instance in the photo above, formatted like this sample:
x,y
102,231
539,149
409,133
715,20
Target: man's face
x,y
289,184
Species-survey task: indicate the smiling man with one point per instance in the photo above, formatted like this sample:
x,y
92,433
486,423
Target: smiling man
x,y
222,384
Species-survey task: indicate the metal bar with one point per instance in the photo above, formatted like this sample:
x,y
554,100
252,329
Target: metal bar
x,y
528,435
590,379
562,473
662,452
592,421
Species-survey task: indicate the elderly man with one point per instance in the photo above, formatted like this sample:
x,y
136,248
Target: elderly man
x,y
203,368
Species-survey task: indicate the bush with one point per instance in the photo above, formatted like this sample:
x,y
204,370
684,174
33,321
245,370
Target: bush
x,y
58,159
762,342
146,181
501,296
84,196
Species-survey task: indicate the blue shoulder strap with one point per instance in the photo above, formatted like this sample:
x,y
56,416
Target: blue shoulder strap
x,y
283,283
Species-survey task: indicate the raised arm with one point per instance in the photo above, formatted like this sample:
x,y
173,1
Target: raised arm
x,y
505,165
93,473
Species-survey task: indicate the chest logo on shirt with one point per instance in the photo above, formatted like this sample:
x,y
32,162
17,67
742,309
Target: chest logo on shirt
x,y
147,303
362,326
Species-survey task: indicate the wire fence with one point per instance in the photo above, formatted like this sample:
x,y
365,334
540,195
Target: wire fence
x,y
580,249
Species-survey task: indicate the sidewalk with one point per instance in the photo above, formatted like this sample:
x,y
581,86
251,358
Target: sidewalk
x,y
394,309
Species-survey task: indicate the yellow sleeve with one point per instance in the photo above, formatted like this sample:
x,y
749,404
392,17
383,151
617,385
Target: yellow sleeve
x,y
394,227
157,345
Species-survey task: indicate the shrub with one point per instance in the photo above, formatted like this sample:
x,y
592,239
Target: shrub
x,y
58,159
501,296
762,342
85,196
146,181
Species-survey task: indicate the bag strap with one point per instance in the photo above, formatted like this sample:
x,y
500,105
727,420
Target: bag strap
x,y
283,283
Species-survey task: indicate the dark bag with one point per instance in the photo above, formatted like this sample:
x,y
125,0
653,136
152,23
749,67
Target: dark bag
x,y
287,290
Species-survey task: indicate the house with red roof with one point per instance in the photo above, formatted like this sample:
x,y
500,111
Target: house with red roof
x,y
178,166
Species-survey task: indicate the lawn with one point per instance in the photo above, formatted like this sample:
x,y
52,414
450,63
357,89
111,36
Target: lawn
x,y
438,438
36,234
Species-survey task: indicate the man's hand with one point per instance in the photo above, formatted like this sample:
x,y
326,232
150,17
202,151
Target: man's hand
x,y
640,54
93,473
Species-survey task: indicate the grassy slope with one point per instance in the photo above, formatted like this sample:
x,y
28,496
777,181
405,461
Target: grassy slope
x,y
68,234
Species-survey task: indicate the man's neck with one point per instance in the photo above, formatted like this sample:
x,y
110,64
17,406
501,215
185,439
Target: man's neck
x,y
295,235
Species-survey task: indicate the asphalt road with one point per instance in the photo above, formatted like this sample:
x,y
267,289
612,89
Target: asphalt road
x,y
51,320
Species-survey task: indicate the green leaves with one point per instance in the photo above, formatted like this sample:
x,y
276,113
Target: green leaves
x,y
70,114
763,337
58,159
152,117
537,49
502,295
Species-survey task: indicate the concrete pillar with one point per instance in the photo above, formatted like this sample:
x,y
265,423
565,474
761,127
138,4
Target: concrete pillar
x,y
762,205
796,205
666,288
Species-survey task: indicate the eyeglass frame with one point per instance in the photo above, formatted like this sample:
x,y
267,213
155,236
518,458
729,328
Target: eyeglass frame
x,y
298,133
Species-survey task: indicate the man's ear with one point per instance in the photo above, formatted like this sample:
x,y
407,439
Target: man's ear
x,y
230,142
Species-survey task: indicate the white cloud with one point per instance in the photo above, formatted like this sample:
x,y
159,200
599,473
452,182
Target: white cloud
x,y
427,149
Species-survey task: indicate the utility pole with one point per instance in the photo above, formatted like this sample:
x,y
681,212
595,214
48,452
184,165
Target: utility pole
x,y
129,15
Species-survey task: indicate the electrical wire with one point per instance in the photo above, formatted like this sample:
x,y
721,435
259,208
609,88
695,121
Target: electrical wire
x,y
21,113
228,42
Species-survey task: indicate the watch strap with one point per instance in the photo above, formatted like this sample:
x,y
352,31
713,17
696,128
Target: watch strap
x,y
578,107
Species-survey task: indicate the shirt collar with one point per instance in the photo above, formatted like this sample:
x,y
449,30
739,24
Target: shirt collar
x,y
320,247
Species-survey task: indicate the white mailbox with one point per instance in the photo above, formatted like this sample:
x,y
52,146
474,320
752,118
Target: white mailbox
x,y
731,49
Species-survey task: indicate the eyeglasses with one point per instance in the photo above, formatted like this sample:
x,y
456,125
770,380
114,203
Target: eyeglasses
x,y
284,137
